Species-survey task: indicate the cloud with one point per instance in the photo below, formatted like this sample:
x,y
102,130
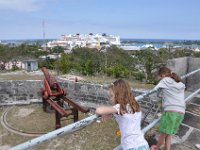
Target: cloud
x,y
21,5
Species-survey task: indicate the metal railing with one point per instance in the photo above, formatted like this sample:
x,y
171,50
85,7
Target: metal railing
x,y
67,129
82,123
151,125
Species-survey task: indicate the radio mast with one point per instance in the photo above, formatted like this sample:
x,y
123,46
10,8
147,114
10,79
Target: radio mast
x,y
44,38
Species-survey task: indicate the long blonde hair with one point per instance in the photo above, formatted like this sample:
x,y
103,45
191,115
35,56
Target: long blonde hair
x,y
124,96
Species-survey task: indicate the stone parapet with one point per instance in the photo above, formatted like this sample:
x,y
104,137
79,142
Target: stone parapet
x,y
185,65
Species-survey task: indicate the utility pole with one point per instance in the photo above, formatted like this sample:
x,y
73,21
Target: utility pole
x,y
44,38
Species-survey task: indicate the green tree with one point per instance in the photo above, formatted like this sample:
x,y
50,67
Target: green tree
x,y
91,58
64,64
89,68
148,60
163,54
182,53
57,49
118,71
115,55
196,54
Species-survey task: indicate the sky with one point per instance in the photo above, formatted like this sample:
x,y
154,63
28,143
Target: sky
x,y
137,19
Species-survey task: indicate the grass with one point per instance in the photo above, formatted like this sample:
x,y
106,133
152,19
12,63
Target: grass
x,y
7,138
99,79
20,75
37,121
95,136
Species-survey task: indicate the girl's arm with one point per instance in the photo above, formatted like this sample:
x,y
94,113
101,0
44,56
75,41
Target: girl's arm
x,y
105,110
160,85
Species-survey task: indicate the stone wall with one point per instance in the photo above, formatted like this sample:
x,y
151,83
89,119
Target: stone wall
x,y
178,65
185,65
12,92
193,82
91,95
87,93
20,92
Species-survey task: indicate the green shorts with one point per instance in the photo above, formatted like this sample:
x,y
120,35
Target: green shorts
x,y
170,122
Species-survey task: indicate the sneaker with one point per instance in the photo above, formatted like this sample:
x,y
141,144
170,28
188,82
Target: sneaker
x,y
153,147
197,146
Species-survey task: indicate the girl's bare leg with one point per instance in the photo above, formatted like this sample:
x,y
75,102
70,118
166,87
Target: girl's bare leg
x,y
168,142
161,140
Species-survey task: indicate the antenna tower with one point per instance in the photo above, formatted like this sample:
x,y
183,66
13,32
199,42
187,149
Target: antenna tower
x,y
44,38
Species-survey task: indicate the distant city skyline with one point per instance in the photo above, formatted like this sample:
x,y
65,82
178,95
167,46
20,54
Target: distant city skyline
x,y
139,19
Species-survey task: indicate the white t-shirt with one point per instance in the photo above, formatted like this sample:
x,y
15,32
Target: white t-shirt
x,y
130,128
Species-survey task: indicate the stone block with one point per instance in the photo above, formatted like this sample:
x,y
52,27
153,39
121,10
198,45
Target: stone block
x,y
180,147
194,138
192,120
194,109
21,98
182,131
196,100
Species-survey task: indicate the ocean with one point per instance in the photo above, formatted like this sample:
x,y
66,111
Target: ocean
x,y
141,43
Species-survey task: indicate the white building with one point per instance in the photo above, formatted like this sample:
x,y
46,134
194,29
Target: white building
x,y
85,40
9,65
28,65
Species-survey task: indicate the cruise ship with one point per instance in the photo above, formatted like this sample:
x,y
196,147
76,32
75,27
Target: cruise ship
x,y
85,40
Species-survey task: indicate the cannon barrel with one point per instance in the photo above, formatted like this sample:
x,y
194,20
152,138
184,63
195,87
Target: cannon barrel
x,y
53,83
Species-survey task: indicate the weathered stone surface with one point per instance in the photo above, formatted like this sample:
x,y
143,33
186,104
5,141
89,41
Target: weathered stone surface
x,y
194,109
5,88
13,91
180,147
193,81
178,65
185,65
182,131
192,120
196,100
21,98
193,139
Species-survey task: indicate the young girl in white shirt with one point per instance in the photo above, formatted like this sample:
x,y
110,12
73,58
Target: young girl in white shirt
x,y
128,115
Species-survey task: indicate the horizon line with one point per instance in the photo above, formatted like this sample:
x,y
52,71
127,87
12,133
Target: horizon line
x,y
121,38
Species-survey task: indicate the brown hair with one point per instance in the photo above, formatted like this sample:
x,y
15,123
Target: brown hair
x,y
168,73
123,96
